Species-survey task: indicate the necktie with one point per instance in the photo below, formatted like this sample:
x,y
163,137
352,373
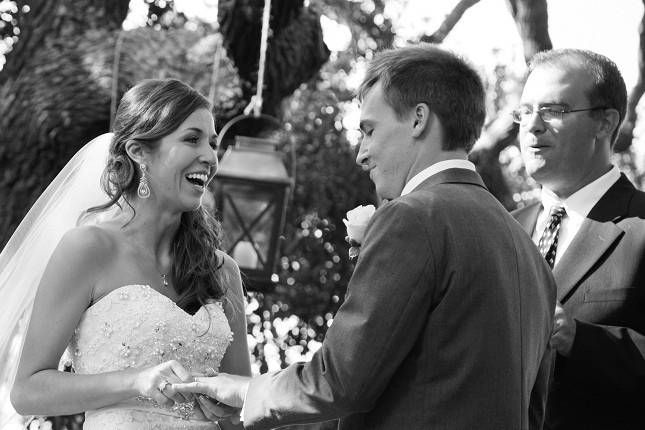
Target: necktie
x,y
548,243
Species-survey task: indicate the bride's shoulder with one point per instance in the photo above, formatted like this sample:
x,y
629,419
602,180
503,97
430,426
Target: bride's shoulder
x,y
230,272
90,241
228,266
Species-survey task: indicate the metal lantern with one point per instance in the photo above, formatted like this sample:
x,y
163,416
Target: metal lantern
x,y
251,191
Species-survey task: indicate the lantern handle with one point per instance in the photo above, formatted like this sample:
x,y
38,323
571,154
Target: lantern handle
x,y
235,120
278,124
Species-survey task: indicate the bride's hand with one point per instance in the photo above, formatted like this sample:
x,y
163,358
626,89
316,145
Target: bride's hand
x,y
156,383
225,388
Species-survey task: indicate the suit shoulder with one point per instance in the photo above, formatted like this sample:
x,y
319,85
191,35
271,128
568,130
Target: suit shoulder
x,y
520,211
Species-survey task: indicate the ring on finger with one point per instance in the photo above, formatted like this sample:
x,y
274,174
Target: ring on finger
x,y
162,385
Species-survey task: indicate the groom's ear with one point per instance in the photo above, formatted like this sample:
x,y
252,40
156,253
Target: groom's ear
x,y
421,119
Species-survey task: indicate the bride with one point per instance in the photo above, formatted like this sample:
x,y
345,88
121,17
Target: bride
x,y
136,293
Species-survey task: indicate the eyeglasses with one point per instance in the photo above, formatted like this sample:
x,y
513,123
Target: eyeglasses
x,y
547,113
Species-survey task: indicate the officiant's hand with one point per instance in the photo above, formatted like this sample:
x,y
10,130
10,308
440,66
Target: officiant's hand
x,y
225,388
564,331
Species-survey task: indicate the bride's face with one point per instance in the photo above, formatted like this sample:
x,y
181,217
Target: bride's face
x,y
184,162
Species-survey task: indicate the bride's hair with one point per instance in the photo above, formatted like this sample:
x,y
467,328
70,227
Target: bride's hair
x,y
149,111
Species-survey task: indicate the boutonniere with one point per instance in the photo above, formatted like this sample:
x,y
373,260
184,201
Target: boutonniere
x,y
356,223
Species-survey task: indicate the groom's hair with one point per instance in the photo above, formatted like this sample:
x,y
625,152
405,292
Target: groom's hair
x,y
424,73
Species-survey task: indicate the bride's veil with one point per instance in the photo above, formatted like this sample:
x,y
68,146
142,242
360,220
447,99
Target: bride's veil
x,y
23,260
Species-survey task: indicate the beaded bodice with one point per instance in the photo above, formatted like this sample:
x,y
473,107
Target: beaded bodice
x,y
135,326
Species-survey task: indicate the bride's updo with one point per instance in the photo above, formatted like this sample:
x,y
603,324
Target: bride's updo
x,y
149,111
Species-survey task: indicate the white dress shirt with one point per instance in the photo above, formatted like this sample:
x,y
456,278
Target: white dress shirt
x,y
578,205
433,170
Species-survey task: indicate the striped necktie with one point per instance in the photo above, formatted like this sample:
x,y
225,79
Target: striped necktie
x,y
548,243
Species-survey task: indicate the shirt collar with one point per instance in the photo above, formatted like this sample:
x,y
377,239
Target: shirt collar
x,y
582,201
433,170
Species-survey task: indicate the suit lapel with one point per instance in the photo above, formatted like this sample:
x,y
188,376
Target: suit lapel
x,y
597,233
590,243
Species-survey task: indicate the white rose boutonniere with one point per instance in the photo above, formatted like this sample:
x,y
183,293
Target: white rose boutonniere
x,y
356,224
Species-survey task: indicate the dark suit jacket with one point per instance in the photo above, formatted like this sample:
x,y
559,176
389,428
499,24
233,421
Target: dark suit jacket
x,y
601,283
444,326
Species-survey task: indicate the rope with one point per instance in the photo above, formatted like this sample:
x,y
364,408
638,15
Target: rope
x,y
256,100
115,76
217,59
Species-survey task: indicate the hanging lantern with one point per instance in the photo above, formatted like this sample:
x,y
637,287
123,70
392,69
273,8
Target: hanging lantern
x,y
251,192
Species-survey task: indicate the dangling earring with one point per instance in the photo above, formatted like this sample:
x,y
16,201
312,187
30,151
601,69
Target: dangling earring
x,y
144,190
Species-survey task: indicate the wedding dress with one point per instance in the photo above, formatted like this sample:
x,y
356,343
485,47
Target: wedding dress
x,y
136,326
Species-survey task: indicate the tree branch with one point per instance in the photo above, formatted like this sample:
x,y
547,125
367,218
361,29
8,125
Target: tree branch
x,y
449,22
532,21
626,133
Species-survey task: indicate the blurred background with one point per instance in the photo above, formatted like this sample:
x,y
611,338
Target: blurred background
x,y
64,64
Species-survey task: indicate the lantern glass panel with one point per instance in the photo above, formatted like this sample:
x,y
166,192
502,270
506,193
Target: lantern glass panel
x,y
248,214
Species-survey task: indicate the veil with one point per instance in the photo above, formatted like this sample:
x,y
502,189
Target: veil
x,y
23,260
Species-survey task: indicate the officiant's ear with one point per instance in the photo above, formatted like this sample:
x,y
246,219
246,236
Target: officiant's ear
x,y
136,151
421,117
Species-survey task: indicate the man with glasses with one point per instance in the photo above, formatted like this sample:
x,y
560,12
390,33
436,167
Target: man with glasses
x,y
590,227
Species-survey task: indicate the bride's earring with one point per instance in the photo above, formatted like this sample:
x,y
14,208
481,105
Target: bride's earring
x,y
143,191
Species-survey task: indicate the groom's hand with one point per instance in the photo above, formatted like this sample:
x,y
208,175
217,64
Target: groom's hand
x,y
215,411
225,388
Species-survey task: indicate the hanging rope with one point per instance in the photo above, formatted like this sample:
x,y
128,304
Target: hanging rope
x,y
256,101
115,76
217,59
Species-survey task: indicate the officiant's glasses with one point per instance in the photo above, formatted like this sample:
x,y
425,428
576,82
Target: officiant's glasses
x,y
548,113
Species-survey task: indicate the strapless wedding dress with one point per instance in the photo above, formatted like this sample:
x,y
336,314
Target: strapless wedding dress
x,y
135,326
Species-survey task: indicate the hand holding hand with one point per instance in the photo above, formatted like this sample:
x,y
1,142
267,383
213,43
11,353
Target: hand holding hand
x,y
157,383
225,388
564,331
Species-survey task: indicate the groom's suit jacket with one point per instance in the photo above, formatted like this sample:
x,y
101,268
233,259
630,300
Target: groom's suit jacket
x,y
601,284
444,325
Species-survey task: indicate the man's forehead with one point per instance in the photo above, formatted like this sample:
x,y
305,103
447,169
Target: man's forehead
x,y
552,84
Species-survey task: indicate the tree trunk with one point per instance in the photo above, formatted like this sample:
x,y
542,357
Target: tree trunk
x,y
626,133
532,22
49,20
531,19
295,50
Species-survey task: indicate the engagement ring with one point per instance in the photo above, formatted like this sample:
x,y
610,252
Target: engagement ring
x,y
162,386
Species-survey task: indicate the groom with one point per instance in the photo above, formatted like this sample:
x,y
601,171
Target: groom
x,y
448,314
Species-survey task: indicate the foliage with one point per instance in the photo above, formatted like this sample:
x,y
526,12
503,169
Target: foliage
x,y
9,25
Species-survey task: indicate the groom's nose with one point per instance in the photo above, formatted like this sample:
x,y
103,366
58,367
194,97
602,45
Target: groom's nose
x,y
361,157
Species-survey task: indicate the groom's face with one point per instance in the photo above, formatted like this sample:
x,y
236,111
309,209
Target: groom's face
x,y
385,151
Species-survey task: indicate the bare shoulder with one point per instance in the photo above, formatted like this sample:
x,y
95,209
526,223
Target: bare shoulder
x,y
80,258
231,280
229,268
88,243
